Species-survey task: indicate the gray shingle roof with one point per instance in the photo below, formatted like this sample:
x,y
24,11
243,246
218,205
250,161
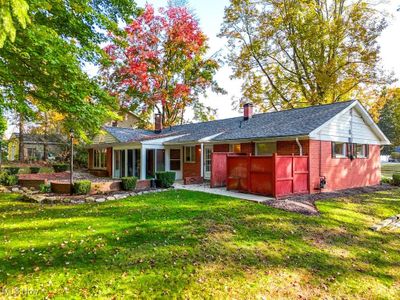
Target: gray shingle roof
x,y
294,122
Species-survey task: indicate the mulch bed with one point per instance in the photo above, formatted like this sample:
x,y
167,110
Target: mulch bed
x,y
305,204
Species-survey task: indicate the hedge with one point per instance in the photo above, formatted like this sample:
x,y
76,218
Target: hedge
x,y
45,188
12,170
82,187
165,179
396,179
129,183
8,179
34,170
58,168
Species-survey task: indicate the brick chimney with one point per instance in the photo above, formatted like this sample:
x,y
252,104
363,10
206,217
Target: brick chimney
x,y
247,111
158,123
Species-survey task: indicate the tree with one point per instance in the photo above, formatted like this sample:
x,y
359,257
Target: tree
x,y
160,65
389,116
11,12
298,53
43,69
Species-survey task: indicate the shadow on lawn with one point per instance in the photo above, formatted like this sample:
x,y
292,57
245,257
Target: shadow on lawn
x,y
166,241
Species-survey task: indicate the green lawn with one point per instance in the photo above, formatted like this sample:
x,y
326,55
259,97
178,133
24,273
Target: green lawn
x,y
390,168
182,244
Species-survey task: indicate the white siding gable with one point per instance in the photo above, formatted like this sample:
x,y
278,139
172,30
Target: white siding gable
x,y
349,124
104,138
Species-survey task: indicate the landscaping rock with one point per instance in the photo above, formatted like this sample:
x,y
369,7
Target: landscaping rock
x,y
15,189
90,199
119,196
100,200
111,198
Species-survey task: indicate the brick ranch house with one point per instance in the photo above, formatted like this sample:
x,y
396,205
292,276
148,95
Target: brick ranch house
x,y
340,144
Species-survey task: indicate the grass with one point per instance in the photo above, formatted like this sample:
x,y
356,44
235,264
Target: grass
x,y
388,169
182,244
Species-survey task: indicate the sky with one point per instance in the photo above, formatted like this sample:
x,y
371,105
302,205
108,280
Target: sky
x,y
211,13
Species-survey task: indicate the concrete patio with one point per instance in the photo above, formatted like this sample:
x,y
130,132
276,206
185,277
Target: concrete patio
x,y
205,188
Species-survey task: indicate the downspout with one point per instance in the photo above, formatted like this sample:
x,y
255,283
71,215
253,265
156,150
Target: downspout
x,y
300,146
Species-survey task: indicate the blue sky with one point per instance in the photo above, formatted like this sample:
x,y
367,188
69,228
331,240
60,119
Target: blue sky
x,y
211,13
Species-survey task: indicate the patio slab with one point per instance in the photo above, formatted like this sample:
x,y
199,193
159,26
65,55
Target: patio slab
x,y
205,188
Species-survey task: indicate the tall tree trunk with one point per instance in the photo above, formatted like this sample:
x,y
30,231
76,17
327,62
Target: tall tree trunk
x,y
21,156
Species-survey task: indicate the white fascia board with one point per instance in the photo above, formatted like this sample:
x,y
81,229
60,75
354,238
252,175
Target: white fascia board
x,y
161,141
365,114
209,138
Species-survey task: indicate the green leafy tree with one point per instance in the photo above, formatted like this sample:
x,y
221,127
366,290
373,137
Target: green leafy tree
x,y
43,69
294,53
389,116
12,12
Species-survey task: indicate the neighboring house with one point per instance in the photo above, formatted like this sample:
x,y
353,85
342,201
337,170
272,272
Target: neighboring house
x,y
341,142
128,120
34,146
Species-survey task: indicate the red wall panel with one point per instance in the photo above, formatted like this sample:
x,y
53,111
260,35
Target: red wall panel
x,y
342,173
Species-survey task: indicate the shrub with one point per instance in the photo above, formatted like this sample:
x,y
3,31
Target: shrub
x,y
45,188
34,170
82,187
165,179
58,168
12,170
396,179
129,183
386,180
8,179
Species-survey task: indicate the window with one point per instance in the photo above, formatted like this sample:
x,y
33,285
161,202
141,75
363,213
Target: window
x,y
361,151
99,158
190,154
265,148
339,150
236,148
175,160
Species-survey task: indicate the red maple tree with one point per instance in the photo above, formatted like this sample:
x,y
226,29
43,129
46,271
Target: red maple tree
x,y
160,65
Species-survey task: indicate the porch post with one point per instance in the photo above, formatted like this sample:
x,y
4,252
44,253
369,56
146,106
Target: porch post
x,y
142,163
202,160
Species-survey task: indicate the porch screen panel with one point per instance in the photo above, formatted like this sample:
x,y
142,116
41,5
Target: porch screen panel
x,y
117,162
137,163
160,160
130,163
123,163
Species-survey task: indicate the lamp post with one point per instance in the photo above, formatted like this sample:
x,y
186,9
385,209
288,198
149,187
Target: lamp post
x,y
71,167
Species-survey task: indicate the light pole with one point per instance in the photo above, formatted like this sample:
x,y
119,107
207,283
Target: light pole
x,y
71,167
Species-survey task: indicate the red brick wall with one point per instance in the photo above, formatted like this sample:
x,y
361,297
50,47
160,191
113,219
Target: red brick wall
x,y
291,147
342,173
221,148
192,169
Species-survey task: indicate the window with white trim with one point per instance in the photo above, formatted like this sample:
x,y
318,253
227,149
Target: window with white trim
x,y
175,160
190,154
339,150
267,148
361,150
236,148
99,158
